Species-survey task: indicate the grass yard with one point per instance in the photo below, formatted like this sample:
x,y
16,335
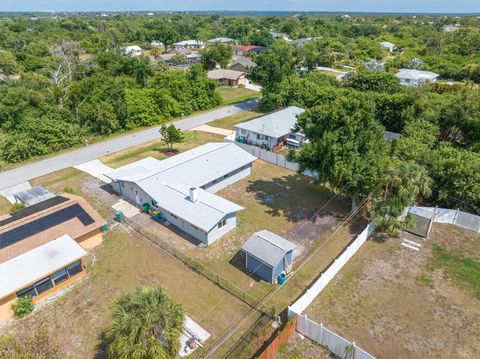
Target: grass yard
x,y
157,148
231,95
302,348
275,199
399,303
230,121
77,318
5,205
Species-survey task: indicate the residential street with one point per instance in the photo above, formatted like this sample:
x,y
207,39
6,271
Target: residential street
x,y
76,157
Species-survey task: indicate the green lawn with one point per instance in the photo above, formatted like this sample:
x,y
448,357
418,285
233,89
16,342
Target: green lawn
x,y
157,148
464,270
231,95
228,122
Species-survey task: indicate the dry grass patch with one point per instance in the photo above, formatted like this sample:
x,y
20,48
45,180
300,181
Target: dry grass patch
x,y
398,303
229,122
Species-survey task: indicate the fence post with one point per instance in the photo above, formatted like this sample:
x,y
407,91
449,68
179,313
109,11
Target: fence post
x,y
321,334
353,350
456,215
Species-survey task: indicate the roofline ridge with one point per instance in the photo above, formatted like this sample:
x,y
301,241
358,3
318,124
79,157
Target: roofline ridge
x,y
191,159
269,241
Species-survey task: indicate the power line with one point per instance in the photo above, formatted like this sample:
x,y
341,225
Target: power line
x,y
247,317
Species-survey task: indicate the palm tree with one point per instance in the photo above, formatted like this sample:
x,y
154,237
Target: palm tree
x,y
146,323
404,183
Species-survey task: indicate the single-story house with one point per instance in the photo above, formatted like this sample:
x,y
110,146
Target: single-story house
x,y
268,255
452,28
189,57
409,77
388,45
189,44
279,35
182,187
222,40
42,246
228,77
242,64
301,41
272,129
133,51
241,50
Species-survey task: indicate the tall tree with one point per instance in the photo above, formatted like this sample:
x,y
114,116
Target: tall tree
x,y
214,54
167,34
404,183
146,323
346,145
171,135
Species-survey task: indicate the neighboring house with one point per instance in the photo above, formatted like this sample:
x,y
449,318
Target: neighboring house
x,y
240,50
156,44
182,187
279,35
222,40
388,45
33,195
409,77
451,28
390,136
230,78
242,64
301,41
268,255
189,44
272,129
190,57
133,51
42,246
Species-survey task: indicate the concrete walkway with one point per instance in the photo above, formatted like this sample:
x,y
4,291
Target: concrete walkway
x,y
211,129
92,152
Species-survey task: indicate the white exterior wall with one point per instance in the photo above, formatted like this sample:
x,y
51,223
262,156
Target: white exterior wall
x,y
251,138
185,226
216,232
233,177
414,82
131,192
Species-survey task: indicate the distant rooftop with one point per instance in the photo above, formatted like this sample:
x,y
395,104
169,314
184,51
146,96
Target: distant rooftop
x,y
276,124
416,74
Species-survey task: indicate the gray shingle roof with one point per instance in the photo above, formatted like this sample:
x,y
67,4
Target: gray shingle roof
x,y
268,247
276,124
225,74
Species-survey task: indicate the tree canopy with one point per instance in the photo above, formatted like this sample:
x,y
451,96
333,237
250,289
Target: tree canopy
x,y
146,323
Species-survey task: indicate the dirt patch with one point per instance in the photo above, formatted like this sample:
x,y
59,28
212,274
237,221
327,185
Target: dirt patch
x,y
390,301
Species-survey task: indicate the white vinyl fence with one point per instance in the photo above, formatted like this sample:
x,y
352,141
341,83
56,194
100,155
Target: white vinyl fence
x,y
317,332
273,158
452,216
336,344
308,297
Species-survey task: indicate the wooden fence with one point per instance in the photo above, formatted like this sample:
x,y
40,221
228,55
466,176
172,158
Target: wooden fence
x,y
281,338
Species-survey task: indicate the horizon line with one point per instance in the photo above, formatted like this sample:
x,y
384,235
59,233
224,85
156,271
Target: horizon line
x,y
239,12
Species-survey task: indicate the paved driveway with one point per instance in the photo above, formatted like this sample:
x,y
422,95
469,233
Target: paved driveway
x,y
85,154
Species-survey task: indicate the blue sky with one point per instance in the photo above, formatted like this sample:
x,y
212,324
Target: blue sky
x,y
437,6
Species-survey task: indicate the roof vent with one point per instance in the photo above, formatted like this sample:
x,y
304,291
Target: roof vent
x,y
194,194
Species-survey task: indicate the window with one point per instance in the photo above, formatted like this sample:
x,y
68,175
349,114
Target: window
x,y
43,285
244,132
38,288
258,136
60,276
30,291
407,80
226,176
154,203
174,216
123,184
222,223
74,268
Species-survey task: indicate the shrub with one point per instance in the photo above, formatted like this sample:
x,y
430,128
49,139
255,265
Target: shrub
x,y
16,207
23,306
